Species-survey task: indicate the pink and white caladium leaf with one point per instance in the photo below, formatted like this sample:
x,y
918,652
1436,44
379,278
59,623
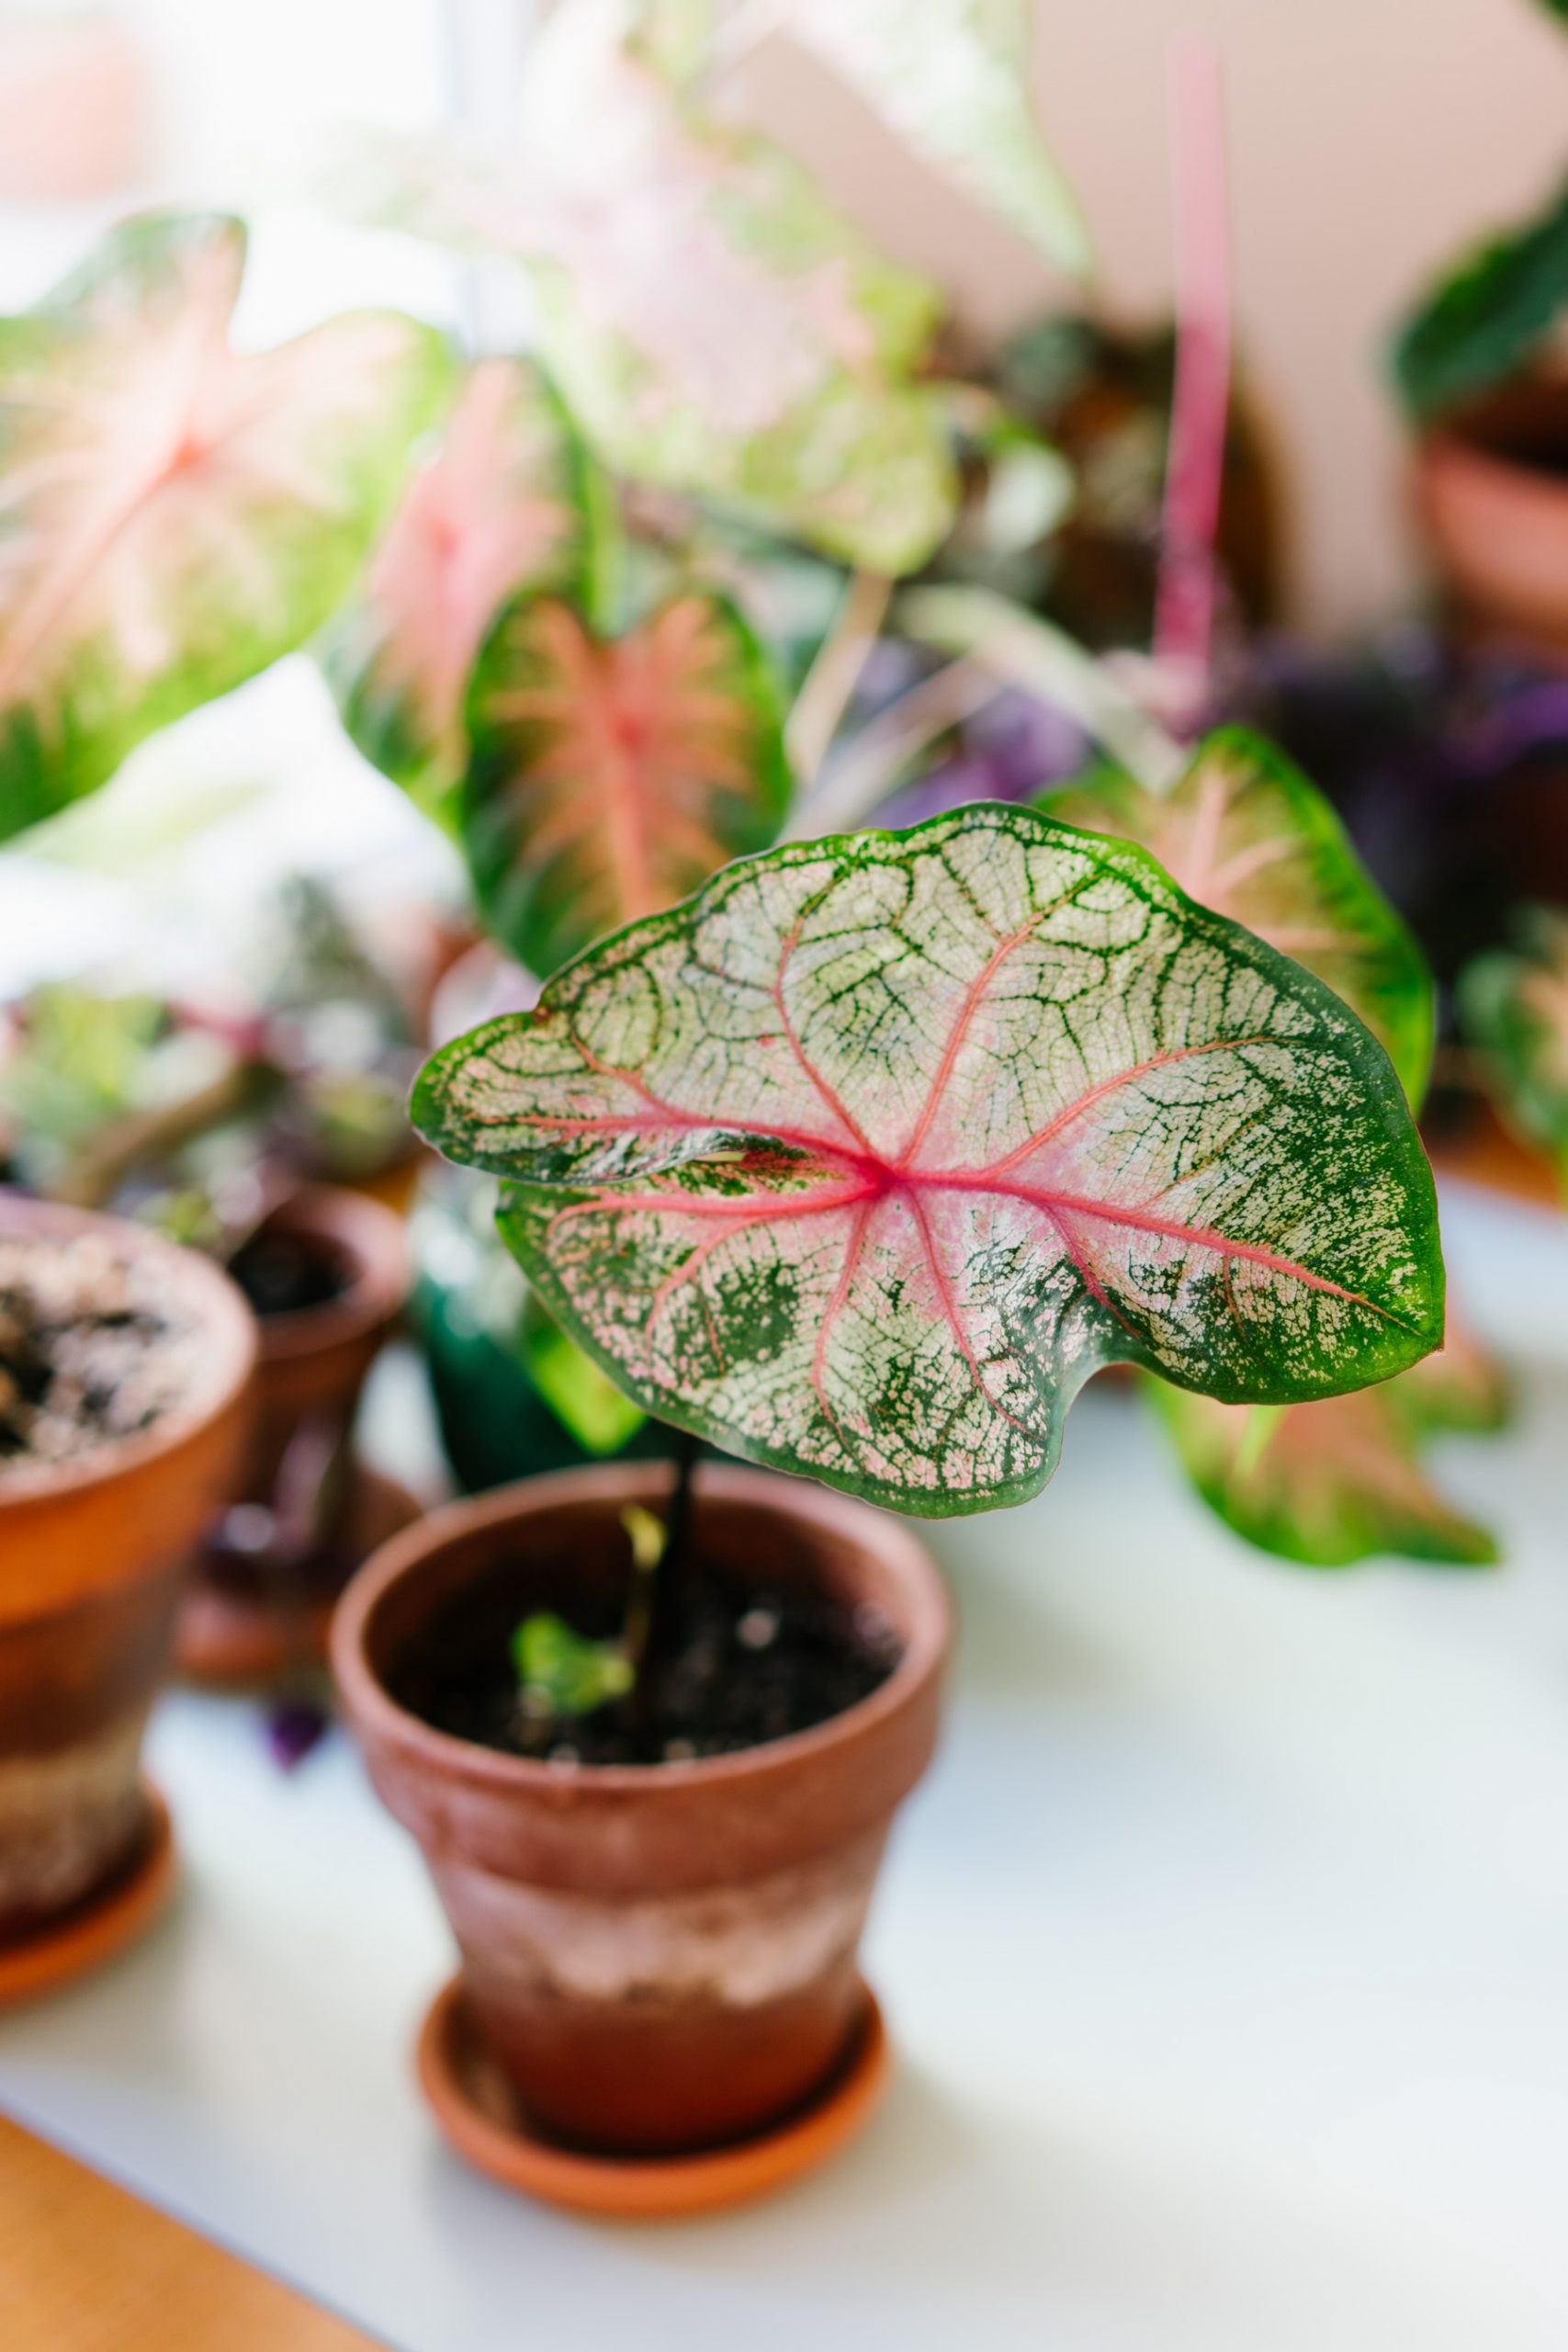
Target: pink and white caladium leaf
x,y
1513,1007
1245,833
510,501
611,776
175,515
1333,1483
715,324
862,1161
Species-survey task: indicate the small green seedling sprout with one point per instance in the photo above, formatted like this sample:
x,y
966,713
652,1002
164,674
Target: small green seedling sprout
x,y
563,1674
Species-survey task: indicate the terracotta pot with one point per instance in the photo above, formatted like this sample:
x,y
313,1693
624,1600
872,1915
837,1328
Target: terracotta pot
x,y
315,1360
281,1551
89,1580
1492,488
662,1957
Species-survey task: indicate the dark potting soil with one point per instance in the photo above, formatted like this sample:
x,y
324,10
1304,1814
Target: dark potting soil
x,y
754,1665
92,1347
282,1273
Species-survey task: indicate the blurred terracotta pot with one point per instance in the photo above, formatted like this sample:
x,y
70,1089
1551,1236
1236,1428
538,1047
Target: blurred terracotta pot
x,y
279,1550
1492,488
662,1957
90,1573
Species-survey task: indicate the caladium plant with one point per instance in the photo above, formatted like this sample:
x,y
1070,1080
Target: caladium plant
x,y
1333,1483
1245,833
176,514
509,502
860,1162
717,325
611,774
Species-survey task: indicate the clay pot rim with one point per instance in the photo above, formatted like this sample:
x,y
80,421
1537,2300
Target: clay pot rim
x,y
1448,448
368,1703
372,1237
226,1318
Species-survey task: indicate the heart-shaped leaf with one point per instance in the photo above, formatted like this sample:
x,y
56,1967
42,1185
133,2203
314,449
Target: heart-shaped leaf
x,y
951,77
1513,1006
506,504
1244,832
1340,1481
611,776
177,516
715,325
863,1160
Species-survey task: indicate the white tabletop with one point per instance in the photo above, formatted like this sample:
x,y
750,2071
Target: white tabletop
x,y
1225,1950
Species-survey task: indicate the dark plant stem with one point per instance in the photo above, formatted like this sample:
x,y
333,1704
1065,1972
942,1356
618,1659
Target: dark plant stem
x,y
670,1606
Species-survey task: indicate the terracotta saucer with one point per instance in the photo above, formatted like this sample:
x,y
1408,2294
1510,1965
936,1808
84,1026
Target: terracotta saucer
x,y
229,1639
98,1926
478,2111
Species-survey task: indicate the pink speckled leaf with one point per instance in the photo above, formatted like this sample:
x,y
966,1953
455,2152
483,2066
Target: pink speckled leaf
x,y
862,1161
1244,831
175,514
611,775
504,505
1342,1480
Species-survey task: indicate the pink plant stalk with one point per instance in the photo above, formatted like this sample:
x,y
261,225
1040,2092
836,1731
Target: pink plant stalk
x,y
1184,609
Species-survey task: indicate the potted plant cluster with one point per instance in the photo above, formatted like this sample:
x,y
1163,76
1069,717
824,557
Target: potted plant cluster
x,y
848,1153
148,567
248,1125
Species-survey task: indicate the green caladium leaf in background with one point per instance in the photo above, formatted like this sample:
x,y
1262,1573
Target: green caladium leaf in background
x,y
1336,1482
860,1162
1485,320
177,514
1244,832
715,324
509,502
951,77
611,776
1513,1008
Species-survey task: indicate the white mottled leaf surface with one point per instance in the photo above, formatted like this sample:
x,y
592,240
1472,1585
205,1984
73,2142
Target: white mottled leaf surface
x,y
863,1160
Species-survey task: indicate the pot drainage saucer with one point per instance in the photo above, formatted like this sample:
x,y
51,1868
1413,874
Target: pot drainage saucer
x,y
480,2114
229,1640
98,1926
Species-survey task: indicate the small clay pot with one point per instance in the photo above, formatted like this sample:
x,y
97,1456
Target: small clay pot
x,y
90,1574
661,1957
284,1547
1491,491
315,1360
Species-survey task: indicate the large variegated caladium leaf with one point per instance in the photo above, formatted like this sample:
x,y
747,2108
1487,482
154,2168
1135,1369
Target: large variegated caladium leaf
x,y
952,78
177,515
860,1162
1340,1481
1246,833
1513,1007
715,325
507,503
611,776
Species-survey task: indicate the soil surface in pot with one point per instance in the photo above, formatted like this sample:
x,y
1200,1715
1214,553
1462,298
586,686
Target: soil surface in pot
x,y
284,1274
754,1665
94,1347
